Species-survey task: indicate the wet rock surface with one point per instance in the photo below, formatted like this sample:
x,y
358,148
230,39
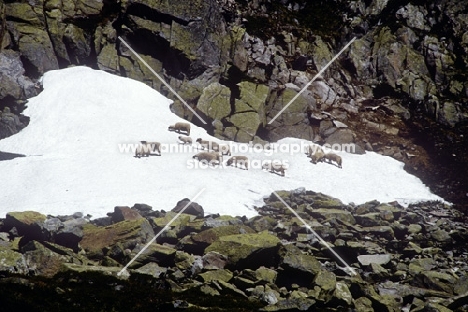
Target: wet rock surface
x,y
414,260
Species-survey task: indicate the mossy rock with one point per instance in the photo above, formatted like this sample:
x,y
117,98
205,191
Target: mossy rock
x,y
96,269
136,22
182,220
247,121
211,235
161,254
217,275
247,247
262,223
323,201
24,218
183,260
252,97
266,275
321,53
35,45
108,59
301,263
89,7
12,261
182,39
95,238
215,101
25,13
327,213
46,262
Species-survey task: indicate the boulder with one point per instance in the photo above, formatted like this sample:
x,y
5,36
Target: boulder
x,y
122,213
215,101
252,249
29,224
97,240
297,267
192,208
377,259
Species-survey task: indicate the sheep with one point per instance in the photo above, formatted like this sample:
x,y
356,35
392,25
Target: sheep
x,y
208,157
315,154
329,157
225,150
274,167
242,160
208,145
179,127
185,140
146,148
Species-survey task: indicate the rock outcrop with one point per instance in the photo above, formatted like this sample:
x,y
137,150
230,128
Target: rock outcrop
x,y
392,258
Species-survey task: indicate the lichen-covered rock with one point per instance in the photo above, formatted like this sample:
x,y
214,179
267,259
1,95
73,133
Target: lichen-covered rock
x,y
325,213
209,236
28,224
255,249
41,260
96,240
216,275
12,261
161,254
215,101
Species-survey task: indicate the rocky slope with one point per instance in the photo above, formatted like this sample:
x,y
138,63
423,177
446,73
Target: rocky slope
x,y
400,259
400,89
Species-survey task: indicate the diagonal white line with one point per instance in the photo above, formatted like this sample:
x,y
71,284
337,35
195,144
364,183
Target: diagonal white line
x,y
313,79
160,232
316,235
162,80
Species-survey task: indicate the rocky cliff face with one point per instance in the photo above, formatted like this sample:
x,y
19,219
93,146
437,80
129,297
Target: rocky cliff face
x,y
400,89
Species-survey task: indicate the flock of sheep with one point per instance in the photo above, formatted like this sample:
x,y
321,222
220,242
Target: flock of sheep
x,y
215,152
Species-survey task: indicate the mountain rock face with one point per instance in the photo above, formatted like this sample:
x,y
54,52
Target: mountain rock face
x,y
400,89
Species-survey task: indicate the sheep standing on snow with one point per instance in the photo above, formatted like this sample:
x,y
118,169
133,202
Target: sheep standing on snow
x,y
241,160
224,150
185,140
315,153
209,158
329,157
146,148
209,145
180,127
274,166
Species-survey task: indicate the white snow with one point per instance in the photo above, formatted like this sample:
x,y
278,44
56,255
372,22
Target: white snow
x,y
74,162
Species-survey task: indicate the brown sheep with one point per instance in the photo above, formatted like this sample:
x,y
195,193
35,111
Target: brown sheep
x,y
242,160
209,145
208,157
185,140
329,157
146,148
179,127
274,167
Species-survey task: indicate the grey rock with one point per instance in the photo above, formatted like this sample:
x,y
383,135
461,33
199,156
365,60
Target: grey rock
x,y
377,259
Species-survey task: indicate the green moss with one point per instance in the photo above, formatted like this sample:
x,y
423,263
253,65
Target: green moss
x,y
27,217
96,238
211,235
240,246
